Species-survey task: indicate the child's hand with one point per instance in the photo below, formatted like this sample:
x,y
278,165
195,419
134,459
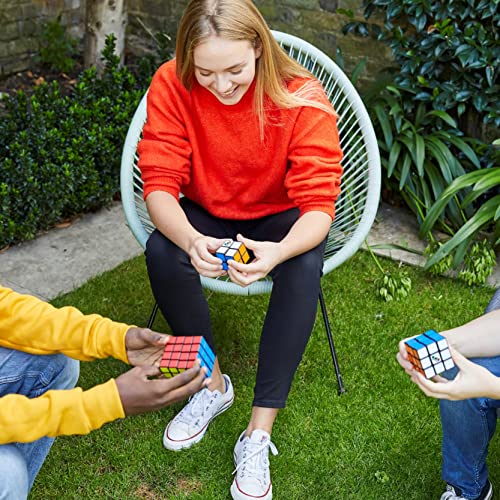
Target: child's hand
x,y
144,347
267,257
144,389
402,358
473,381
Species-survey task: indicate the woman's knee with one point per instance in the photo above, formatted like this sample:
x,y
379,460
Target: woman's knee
x,y
302,268
160,250
14,479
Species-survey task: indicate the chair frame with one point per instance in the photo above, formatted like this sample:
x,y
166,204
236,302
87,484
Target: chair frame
x,y
357,135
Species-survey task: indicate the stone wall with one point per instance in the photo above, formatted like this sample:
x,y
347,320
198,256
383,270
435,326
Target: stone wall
x,y
316,21
21,23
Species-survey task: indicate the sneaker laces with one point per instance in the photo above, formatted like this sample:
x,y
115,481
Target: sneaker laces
x,y
255,460
197,406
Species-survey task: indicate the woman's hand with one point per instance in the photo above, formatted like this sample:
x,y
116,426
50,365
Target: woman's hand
x,y
201,253
267,256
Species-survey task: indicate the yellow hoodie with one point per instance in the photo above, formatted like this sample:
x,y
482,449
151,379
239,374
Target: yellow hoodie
x,y
31,325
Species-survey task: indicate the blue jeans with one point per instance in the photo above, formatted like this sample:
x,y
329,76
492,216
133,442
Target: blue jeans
x,y
468,427
30,376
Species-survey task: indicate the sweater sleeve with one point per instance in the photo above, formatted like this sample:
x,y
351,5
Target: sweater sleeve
x,y
313,178
164,150
31,325
58,413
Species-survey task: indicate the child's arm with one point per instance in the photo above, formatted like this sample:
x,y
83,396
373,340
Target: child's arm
x,y
480,338
28,324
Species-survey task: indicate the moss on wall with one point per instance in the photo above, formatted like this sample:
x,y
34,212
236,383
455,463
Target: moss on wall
x,y
317,21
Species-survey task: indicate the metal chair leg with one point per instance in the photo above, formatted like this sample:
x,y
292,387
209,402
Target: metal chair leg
x,y
330,342
153,316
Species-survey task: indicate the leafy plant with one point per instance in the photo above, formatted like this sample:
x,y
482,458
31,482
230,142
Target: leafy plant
x,y
62,153
479,183
393,287
444,83
57,48
422,151
447,52
478,263
441,266
390,286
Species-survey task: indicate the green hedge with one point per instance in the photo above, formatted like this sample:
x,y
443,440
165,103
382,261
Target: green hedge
x,y
61,154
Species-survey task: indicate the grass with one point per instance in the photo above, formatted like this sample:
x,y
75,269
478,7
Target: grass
x,y
380,440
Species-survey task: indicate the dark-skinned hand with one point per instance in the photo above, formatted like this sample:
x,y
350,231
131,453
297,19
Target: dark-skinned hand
x,y
144,389
144,347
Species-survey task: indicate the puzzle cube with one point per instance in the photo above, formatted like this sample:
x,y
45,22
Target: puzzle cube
x,y
429,353
232,250
180,353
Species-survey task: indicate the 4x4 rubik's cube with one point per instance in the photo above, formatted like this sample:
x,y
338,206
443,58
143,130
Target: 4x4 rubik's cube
x,y
429,353
180,353
232,250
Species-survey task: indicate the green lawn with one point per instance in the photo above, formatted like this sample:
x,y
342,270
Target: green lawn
x,y
380,440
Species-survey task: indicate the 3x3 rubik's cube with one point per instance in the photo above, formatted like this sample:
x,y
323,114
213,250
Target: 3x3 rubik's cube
x,y
232,250
429,353
181,352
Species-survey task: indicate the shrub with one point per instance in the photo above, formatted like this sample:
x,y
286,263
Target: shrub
x,y
62,153
57,49
447,52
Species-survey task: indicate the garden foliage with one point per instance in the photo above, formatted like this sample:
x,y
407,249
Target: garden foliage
x,y
446,52
61,154
57,49
432,112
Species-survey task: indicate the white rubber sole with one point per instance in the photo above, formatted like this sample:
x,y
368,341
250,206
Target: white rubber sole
x,y
236,494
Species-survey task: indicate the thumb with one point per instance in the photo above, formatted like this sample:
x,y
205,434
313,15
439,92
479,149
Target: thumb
x,y
155,337
246,241
215,243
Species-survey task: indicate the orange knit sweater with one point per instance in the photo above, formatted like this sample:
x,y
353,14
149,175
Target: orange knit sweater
x,y
213,153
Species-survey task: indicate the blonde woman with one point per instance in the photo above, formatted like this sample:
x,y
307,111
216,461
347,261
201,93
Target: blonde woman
x,y
250,139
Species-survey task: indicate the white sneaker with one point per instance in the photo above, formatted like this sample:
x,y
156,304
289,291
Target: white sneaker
x,y
453,493
191,423
251,457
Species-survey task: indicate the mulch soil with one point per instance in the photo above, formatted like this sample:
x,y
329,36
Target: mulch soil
x,y
29,79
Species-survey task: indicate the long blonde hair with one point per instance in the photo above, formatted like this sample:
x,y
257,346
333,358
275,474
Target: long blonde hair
x,y
241,20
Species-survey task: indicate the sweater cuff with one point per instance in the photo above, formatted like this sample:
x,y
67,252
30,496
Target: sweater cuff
x,y
102,404
111,341
328,209
151,187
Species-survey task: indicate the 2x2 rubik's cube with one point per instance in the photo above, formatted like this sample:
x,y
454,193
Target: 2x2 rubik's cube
x,y
232,250
181,352
429,353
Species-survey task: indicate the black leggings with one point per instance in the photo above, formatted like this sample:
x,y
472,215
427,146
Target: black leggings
x,y
292,306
